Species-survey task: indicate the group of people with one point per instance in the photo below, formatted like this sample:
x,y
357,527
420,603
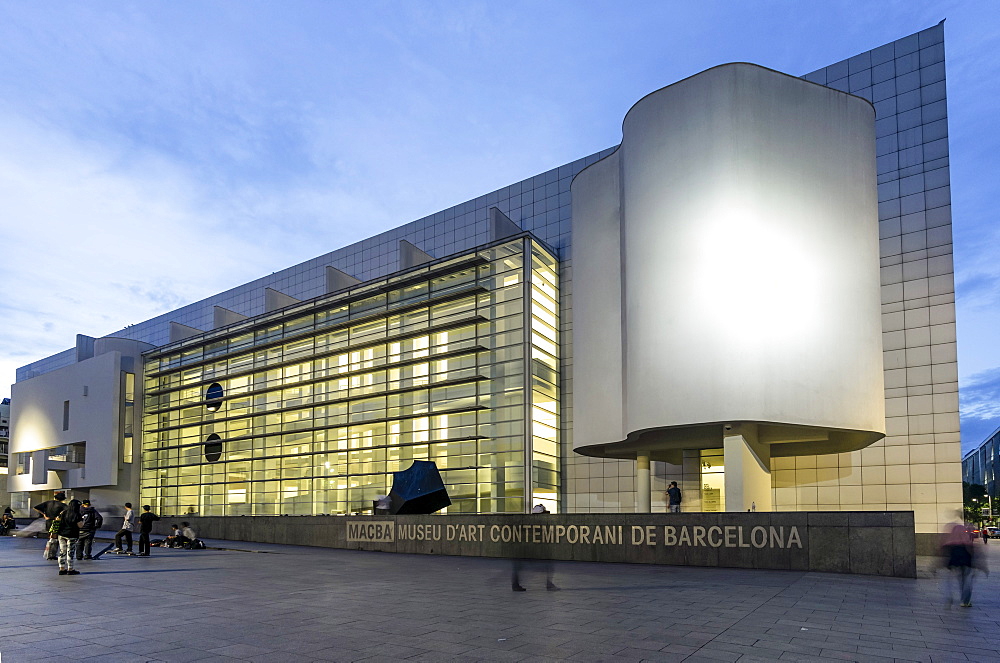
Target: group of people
x,y
146,520
72,526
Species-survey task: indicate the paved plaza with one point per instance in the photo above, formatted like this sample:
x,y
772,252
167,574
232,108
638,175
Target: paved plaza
x,y
257,602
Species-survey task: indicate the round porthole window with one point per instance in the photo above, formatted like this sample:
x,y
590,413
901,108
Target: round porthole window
x,y
213,397
213,448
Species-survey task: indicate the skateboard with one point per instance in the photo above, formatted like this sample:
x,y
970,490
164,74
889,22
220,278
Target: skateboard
x,y
108,548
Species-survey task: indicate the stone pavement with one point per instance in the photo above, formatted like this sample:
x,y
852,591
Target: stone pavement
x,y
284,603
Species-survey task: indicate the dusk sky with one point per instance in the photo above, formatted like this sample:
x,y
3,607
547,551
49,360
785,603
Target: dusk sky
x,y
155,153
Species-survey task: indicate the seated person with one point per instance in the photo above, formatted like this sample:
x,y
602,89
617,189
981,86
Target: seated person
x,y
172,540
7,523
188,535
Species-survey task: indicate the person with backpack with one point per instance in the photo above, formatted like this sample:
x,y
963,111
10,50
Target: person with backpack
x,y
50,510
673,498
66,526
92,521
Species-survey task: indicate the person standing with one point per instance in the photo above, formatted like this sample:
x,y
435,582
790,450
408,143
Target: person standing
x,y
128,524
673,498
67,527
52,508
145,527
92,521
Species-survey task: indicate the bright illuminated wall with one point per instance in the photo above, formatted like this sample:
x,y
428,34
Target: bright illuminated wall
x,y
310,409
744,228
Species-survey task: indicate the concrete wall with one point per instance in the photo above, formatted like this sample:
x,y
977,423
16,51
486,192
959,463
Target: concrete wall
x,y
93,390
870,543
749,259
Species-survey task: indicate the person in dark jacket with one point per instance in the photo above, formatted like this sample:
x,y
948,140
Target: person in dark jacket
x,y
673,498
145,527
92,521
67,526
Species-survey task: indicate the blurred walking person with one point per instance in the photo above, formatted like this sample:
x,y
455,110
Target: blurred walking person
x,y
519,561
960,559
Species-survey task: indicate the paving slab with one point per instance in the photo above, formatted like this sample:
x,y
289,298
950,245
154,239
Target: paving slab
x,y
267,602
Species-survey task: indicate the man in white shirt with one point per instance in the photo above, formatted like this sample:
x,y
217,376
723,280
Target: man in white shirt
x,y
128,524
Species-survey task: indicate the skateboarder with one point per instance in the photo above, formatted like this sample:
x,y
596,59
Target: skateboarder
x,y
145,527
128,525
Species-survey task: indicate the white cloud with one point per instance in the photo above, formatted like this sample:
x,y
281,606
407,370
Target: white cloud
x,y
95,239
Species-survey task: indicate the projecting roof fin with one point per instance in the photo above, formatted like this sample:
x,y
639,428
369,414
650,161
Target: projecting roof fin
x,y
223,317
338,280
179,332
411,256
501,226
274,299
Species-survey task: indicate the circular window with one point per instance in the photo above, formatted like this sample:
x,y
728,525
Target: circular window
x,y
213,397
213,448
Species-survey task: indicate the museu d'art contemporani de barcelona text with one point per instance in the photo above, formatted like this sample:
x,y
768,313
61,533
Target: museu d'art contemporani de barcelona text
x,y
751,295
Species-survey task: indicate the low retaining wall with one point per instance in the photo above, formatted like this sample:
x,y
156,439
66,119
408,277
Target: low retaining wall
x,y
863,542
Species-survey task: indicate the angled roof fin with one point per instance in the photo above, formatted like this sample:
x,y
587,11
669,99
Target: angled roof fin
x,y
179,332
338,280
275,299
222,317
411,256
501,226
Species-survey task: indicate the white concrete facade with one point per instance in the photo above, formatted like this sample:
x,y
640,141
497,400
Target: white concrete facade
x,y
71,423
742,236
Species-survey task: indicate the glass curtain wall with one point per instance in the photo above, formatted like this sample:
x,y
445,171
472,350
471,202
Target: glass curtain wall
x,y
310,409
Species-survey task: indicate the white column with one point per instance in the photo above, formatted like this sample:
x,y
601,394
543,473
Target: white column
x,y
643,493
748,469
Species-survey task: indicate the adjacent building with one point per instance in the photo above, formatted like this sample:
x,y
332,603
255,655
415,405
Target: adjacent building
x,y
752,295
4,445
981,465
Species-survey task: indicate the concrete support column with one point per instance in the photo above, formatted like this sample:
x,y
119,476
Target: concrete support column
x,y
691,480
643,492
748,469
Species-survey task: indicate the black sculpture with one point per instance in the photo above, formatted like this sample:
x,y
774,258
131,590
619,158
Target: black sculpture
x,y
418,489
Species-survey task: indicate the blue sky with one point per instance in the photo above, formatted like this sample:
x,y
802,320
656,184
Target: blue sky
x,y
154,153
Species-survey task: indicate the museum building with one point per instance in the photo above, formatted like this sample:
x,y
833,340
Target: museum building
x,y
752,295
